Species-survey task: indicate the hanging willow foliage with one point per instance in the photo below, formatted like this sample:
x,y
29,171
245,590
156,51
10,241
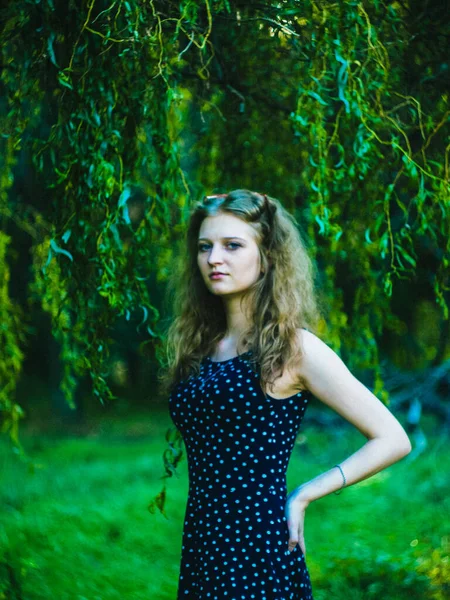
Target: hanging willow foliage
x,y
337,108
93,113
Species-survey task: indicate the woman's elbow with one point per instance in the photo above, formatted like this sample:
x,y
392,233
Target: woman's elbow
x,y
401,445
397,445
406,447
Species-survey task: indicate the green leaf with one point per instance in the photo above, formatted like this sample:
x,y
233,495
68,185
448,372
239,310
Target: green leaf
x,y
126,216
64,80
124,197
321,224
50,49
49,258
317,97
145,315
342,80
406,256
54,246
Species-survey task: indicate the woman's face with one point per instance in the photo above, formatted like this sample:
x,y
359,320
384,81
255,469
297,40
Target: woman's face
x,y
227,244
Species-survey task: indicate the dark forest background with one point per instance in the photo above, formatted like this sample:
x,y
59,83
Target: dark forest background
x,y
115,117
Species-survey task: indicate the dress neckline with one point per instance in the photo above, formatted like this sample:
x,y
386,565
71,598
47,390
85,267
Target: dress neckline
x,y
228,359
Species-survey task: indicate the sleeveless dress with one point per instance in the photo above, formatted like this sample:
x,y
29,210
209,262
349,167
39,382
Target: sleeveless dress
x,y
238,445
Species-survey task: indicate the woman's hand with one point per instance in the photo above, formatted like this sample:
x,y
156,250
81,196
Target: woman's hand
x,y
296,505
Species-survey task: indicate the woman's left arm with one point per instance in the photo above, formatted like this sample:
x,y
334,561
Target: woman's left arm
x,y
331,382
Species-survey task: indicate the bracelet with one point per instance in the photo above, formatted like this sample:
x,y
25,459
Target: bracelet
x,y
343,476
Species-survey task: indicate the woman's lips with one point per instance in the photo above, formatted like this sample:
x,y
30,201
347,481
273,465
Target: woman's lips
x,y
217,275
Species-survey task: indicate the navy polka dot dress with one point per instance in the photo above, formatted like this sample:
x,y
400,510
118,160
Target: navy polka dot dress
x,y
238,444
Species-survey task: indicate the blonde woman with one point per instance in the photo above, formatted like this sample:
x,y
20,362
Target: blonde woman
x,y
243,362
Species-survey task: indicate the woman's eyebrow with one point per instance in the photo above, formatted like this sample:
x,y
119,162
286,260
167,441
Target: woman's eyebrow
x,y
233,237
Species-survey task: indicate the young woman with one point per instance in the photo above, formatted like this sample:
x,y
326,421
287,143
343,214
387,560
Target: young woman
x,y
243,362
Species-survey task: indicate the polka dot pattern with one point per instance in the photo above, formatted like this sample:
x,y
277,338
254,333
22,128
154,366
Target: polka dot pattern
x,y
238,445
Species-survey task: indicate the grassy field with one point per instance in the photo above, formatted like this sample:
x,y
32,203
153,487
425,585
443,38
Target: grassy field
x,y
77,525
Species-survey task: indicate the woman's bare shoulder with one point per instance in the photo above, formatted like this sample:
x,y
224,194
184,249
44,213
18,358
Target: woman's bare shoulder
x,y
307,340
309,348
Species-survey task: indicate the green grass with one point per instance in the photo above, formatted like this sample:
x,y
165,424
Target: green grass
x,y
78,527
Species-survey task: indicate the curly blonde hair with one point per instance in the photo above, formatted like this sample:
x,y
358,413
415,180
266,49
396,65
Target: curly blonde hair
x,y
282,300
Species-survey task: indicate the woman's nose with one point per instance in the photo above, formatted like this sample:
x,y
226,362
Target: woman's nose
x,y
215,255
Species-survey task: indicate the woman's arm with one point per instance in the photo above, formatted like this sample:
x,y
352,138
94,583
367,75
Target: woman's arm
x,y
331,382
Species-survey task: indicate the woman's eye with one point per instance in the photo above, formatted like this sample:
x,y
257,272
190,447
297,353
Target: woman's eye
x,y
233,245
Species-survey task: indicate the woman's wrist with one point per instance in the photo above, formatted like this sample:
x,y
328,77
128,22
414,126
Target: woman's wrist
x,y
301,495
320,486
